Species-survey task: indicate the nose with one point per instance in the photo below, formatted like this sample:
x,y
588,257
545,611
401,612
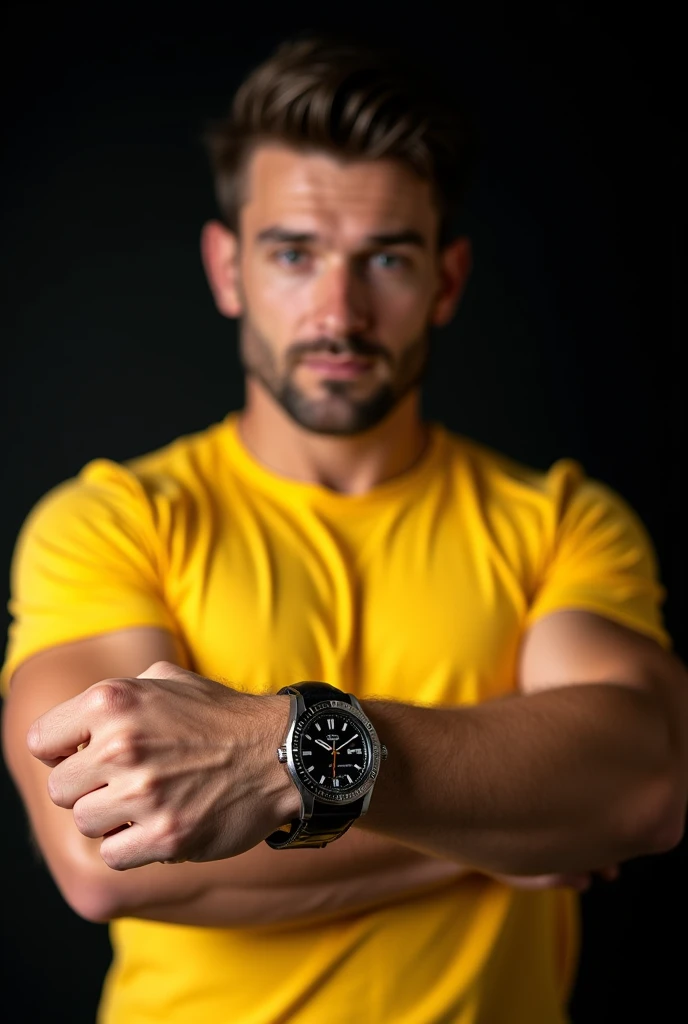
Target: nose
x,y
342,306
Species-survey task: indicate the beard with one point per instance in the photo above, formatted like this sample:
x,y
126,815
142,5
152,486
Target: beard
x,y
336,409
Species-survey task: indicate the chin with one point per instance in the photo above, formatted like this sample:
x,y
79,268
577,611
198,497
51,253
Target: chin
x,y
336,414
337,424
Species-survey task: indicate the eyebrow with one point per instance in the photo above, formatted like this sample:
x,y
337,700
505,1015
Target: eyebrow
x,y
406,237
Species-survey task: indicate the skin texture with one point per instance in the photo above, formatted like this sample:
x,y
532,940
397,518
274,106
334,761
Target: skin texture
x,y
338,293
309,278
248,890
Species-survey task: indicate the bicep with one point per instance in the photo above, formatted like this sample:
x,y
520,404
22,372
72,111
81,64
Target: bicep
x,y
573,647
45,680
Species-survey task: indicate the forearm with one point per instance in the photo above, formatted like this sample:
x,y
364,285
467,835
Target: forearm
x,y
262,886
561,780
306,902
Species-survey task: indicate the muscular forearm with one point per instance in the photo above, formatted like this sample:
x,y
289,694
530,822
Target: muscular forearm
x,y
217,905
561,780
265,886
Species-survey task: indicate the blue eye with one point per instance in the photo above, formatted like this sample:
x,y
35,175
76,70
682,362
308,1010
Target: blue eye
x,y
290,256
388,260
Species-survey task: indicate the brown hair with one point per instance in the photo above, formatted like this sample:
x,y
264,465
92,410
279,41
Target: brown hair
x,y
356,101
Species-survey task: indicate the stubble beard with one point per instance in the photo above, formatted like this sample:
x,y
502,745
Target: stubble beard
x,y
338,411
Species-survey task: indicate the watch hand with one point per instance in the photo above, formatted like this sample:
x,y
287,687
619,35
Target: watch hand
x,y
323,744
350,740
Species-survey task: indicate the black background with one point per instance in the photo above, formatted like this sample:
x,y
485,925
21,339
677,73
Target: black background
x,y
566,343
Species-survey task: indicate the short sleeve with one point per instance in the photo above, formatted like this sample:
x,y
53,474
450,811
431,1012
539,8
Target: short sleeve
x,y
600,556
87,561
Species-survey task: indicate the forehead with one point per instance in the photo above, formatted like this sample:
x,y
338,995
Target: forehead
x,y
296,189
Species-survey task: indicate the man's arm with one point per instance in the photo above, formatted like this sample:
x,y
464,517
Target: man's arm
x,y
587,766
250,889
569,779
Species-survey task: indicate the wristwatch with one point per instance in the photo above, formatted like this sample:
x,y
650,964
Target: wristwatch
x,y
333,755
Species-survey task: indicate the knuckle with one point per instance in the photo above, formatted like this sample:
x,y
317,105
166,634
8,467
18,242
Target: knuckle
x,y
112,857
124,749
34,738
145,789
55,789
161,669
81,819
111,696
171,833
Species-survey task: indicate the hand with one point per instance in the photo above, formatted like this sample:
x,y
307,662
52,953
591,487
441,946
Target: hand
x,y
580,881
189,765
350,740
326,746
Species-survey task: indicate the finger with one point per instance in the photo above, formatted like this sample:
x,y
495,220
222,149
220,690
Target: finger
x,y
74,777
98,814
132,848
58,733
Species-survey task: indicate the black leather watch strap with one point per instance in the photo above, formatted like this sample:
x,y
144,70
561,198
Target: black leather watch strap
x,y
326,825
314,692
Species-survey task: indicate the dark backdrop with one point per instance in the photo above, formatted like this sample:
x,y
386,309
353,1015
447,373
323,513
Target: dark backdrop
x,y
566,343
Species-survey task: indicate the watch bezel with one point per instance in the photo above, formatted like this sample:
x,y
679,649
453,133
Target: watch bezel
x,y
305,782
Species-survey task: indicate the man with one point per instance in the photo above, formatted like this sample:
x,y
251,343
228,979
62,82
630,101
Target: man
x,y
493,629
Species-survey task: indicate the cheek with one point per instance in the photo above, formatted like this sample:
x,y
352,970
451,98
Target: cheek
x,y
402,307
276,303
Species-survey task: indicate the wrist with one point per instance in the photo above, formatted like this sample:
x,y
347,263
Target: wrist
x,y
393,773
280,789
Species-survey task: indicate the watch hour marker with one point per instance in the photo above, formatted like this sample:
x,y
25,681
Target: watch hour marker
x,y
357,767
344,727
308,737
330,723
317,726
335,783
307,753
312,768
322,779
351,781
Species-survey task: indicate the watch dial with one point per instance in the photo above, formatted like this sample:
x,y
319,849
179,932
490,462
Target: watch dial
x,y
332,752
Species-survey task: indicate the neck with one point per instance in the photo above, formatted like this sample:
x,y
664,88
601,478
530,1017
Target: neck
x,y
350,465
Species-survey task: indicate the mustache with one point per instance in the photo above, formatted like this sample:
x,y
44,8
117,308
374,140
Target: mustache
x,y
349,346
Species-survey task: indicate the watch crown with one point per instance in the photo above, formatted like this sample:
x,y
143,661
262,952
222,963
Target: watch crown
x,y
383,752
282,754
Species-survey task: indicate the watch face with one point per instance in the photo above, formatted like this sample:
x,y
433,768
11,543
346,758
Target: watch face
x,y
333,753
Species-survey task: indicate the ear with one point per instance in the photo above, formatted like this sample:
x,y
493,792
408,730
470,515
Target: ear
x,y
220,255
455,265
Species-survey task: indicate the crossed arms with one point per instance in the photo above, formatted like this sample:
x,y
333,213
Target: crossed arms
x,y
586,767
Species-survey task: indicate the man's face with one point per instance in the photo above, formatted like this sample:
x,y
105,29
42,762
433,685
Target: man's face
x,y
337,279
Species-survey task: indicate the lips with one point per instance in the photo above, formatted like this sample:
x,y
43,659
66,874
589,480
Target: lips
x,y
342,367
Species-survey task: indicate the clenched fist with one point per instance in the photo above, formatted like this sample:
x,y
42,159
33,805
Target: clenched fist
x,y
168,766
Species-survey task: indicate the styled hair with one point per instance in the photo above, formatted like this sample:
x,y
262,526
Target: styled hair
x,y
354,101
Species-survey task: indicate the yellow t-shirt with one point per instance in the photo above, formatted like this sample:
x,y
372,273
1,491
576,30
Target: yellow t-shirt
x,y
419,590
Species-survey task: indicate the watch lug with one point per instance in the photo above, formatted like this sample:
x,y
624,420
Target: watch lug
x,y
307,804
284,751
366,802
